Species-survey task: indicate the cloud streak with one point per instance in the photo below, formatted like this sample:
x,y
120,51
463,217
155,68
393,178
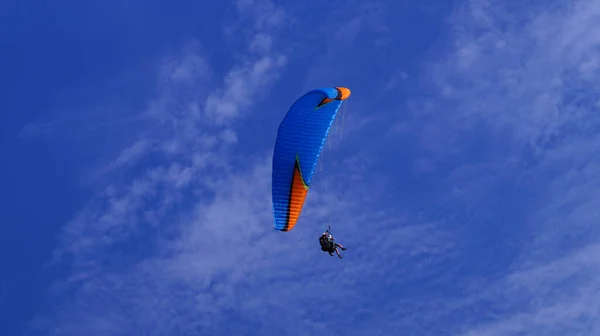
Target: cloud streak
x,y
524,82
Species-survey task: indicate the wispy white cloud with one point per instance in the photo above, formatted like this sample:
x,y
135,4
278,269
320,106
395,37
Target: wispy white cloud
x,y
512,119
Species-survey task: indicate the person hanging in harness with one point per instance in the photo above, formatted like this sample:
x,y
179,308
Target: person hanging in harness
x,y
328,245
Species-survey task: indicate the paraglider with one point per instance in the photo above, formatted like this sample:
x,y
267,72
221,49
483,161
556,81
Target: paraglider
x,y
328,245
300,140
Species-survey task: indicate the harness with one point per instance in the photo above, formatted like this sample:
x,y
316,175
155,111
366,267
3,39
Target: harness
x,y
326,244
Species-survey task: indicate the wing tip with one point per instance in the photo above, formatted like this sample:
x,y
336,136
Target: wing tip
x,y
343,93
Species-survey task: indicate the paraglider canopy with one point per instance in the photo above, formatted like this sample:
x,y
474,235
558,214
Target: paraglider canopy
x,y
300,140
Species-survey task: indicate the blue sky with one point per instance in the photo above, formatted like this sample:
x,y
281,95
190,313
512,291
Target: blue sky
x,y
462,175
